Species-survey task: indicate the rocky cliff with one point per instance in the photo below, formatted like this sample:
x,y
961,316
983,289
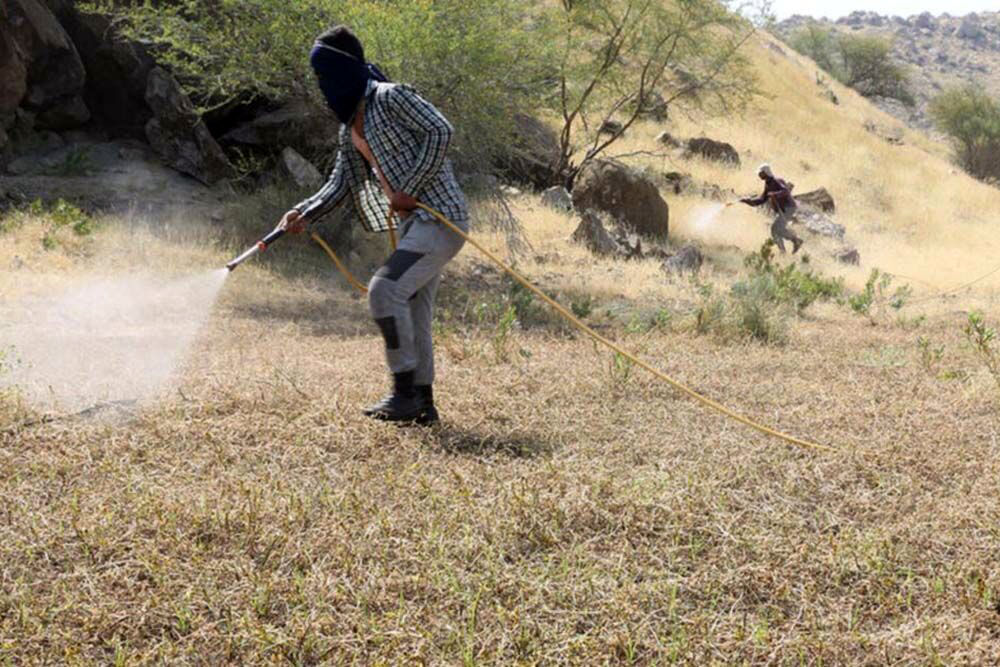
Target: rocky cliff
x,y
938,52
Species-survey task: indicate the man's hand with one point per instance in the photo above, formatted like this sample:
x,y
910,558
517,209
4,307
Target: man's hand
x,y
292,222
400,202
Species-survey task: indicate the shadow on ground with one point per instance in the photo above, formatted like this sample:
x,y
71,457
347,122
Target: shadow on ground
x,y
472,442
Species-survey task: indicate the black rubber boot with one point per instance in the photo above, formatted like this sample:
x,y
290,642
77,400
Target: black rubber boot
x,y
425,394
796,244
402,405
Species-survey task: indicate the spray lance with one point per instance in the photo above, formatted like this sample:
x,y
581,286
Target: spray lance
x,y
258,247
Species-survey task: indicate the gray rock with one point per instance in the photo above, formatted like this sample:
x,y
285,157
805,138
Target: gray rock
x,y
925,21
13,73
667,139
299,170
678,182
592,233
820,199
629,197
971,30
117,71
821,224
299,124
65,114
848,255
533,155
557,197
686,260
179,136
654,108
717,151
53,63
629,243
611,127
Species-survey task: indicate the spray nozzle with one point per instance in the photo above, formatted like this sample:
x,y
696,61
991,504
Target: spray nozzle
x,y
260,246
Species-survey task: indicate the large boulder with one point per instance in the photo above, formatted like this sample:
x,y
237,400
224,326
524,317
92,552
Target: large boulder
x,y
65,114
117,73
13,71
179,135
820,199
54,68
534,154
710,149
821,224
624,194
299,124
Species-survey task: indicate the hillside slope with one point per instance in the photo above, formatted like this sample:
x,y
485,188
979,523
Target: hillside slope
x,y
907,207
937,51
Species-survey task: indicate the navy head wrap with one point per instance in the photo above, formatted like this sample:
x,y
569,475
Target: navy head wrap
x,y
343,78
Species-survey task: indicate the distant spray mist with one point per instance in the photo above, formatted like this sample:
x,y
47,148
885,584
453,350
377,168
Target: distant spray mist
x,y
705,217
107,340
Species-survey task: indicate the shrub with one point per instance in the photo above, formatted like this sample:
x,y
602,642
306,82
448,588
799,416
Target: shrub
x,y
478,60
876,297
796,285
742,314
971,118
859,61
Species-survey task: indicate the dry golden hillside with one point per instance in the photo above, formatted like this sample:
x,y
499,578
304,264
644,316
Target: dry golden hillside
x,y
907,208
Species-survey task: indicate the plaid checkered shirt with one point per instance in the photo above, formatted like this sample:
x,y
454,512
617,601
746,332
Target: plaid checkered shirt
x,y
409,139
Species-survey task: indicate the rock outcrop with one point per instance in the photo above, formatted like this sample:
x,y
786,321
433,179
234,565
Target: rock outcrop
x,y
626,195
179,135
710,149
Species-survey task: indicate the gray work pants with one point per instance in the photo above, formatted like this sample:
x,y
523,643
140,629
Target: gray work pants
x,y
779,228
401,294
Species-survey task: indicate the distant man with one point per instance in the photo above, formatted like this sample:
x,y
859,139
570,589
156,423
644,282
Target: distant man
x,y
392,154
777,193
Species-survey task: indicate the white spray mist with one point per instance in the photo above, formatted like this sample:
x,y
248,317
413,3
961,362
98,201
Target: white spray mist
x,y
705,217
108,340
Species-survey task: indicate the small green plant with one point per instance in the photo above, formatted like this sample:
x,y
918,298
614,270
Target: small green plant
x,y
75,163
930,355
502,335
984,341
873,301
749,311
797,285
620,369
583,306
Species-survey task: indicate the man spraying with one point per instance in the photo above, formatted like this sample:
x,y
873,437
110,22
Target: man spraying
x,y
777,193
392,154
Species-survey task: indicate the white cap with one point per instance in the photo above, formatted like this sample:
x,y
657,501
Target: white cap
x,y
766,169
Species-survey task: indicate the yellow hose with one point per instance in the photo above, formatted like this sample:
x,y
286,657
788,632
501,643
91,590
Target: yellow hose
x,y
576,322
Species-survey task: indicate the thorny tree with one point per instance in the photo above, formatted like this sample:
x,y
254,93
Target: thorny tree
x,y
623,59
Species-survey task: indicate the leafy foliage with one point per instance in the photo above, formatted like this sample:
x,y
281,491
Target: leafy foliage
x,y
972,119
621,58
759,306
478,60
796,285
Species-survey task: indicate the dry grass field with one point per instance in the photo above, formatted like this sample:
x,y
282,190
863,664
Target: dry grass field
x,y
569,509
